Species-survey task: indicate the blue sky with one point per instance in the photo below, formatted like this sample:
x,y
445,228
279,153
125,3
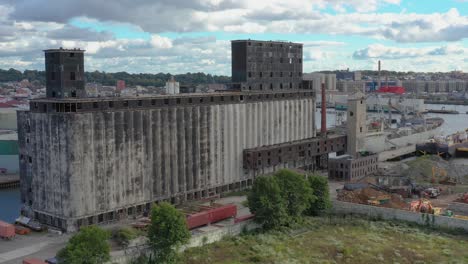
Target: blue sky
x,y
189,36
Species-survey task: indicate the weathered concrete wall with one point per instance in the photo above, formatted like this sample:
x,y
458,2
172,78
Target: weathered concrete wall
x,y
396,214
460,208
84,164
198,240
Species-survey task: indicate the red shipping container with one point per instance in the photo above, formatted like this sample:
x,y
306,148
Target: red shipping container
x,y
33,261
211,215
243,218
7,230
21,230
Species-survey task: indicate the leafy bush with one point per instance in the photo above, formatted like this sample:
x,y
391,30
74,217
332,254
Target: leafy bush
x,y
88,246
167,232
295,191
320,190
123,235
266,203
280,199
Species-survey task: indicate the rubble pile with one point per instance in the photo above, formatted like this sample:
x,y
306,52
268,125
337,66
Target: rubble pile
x,y
372,196
420,169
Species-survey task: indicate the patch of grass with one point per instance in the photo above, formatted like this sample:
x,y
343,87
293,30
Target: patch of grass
x,y
124,235
236,193
337,240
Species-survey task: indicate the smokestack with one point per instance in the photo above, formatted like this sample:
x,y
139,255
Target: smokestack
x,y
379,83
323,128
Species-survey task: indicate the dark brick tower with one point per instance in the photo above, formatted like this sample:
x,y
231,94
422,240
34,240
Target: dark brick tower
x,y
266,65
65,73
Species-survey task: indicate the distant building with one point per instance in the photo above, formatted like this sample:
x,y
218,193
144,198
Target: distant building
x,y
120,85
449,86
347,75
266,65
172,87
349,86
9,158
318,78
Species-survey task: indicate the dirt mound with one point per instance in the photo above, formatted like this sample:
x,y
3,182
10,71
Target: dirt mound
x,y
372,196
420,169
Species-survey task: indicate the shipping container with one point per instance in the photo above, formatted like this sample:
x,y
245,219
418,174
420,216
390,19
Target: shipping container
x,y
21,230
33,261
210,214
244,218
7,231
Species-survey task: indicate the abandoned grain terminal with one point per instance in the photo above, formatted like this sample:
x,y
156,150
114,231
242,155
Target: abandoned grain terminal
x,y
96,160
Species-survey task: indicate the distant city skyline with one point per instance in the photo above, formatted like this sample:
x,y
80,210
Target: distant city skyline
x,y
179,36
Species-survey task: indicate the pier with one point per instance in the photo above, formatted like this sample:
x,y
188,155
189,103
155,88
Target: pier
x,y
9,181
443,111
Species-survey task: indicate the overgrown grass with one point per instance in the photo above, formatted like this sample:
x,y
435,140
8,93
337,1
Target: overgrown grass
x,y
236,193
337,240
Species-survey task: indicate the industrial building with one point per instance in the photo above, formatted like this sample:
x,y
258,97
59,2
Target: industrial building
x,y
358,162
318,78
348,75
266,65
97,160
349,86
450,86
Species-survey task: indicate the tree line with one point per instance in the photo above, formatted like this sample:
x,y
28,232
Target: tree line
x,y
131,79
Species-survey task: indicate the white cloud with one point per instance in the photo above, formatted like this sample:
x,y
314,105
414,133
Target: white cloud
x,y
29,26
378,51
161,42
244,16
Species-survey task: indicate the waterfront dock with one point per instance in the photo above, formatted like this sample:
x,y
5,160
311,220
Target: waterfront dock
x,y
443,111
9,181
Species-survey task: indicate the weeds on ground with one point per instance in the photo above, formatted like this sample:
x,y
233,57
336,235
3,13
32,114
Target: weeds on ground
x,y
337,239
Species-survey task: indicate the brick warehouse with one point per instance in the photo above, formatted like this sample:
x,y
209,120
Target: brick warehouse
x,y
96,160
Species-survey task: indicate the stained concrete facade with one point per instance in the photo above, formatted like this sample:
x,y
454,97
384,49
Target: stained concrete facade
x,y
97,160
95,165
356,123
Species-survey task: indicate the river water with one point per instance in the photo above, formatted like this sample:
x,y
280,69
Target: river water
x,y
10,199
9,204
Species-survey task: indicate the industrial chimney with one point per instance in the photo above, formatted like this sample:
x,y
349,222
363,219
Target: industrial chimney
x,y
379,83
323,128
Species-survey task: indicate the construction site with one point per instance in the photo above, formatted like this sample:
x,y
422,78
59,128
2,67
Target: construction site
x,y
426,184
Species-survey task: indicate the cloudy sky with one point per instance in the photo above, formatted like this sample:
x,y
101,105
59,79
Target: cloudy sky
x,y
179,36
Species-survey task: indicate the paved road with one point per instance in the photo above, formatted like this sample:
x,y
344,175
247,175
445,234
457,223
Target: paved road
x,y
38,245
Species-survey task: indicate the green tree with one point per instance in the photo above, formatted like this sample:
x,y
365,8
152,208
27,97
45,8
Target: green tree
x,y
295,191
88,246
265,201
167,232
322,203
